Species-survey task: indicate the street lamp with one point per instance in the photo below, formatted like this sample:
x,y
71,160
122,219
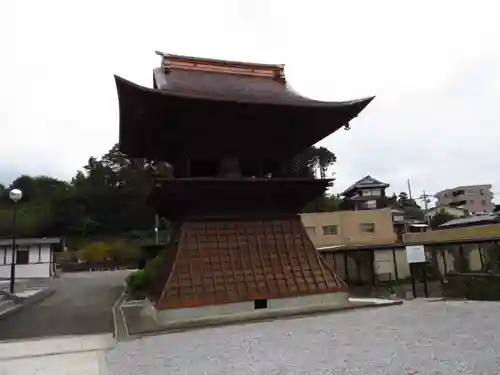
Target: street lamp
x,y
15,195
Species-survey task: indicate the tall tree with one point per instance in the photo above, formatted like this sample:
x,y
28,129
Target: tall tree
x,y
313,162
109,196
440,218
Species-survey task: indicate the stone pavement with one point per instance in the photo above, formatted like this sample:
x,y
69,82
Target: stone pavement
x,y
85,363
72,355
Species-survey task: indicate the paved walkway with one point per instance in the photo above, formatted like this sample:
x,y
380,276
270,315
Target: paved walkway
x,y
418,337
81,304
72,355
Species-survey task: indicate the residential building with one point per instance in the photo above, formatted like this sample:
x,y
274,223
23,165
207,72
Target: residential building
x,y
404,223
367,194
350,227
473,198
457,212
34,257
361,246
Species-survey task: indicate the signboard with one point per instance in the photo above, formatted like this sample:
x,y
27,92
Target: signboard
x,y
415,254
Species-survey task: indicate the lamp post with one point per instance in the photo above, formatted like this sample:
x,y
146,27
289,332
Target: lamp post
x,y
15,195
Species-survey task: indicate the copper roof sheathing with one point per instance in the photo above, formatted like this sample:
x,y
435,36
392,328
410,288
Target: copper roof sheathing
x,y
232,261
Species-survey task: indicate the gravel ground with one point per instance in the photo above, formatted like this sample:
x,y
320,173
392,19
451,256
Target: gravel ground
x,y
418,337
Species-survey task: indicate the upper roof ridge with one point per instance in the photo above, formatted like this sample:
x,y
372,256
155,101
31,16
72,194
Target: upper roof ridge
x,y
272,71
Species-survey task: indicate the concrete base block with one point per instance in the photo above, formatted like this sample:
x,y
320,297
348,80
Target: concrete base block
x,y
247,309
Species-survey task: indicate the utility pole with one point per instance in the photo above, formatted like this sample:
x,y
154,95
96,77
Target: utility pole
x,y
425,197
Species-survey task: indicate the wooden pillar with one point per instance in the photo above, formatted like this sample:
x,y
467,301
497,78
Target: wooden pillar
x,y
346,267
496,257
395,262
462,258
334,256
481,259
443,254
372,262
359,263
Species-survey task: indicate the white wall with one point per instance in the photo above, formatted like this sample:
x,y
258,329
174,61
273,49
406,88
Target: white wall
x,y
38,267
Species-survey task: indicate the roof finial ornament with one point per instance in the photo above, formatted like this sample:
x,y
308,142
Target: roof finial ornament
x,y
347,127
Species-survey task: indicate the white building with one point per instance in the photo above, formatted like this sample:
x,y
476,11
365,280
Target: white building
x,y
457,212
34,257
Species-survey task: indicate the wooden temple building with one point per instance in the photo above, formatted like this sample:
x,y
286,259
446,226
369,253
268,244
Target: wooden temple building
x,y
228,128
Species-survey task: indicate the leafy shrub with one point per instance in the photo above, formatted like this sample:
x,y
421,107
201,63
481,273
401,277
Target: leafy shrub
x,y
124,251
95,252
139,282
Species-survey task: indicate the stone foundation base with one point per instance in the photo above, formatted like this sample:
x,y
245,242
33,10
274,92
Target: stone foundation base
x,y
250,309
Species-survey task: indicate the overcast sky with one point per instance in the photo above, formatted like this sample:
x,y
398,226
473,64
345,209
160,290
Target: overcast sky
x,y
434,67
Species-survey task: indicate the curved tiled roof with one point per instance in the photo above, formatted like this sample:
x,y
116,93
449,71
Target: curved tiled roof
x,y
239,88
210,106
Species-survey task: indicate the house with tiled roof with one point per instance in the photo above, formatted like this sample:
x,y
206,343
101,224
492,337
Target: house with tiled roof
x,y
366,194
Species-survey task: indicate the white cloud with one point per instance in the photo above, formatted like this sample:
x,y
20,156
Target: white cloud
x,y
434,67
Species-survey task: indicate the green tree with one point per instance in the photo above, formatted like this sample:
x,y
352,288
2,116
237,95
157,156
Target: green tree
x,y
313,162
324,204
412,209
108,196
440,218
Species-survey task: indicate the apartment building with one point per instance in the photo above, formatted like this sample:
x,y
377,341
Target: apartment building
x,y
473,198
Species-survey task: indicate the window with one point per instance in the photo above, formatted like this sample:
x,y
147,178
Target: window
x,y
367,227
330,230
22,255
311,231
371,193
483,202
371,204
399,218
481,191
